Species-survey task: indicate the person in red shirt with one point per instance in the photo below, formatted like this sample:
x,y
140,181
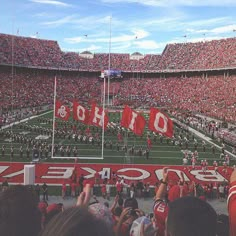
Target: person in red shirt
x,y
160,208
178,190
119,187
204,166
194,161
232,204
87,131
215,164
114,177
149,142
225,168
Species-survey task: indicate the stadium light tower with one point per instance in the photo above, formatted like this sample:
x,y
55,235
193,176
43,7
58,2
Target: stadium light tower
x,y
86,50
185,36
204,37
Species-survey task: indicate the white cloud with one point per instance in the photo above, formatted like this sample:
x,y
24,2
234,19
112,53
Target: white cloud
x,y
139,33
123,47
51,2
224,29
217,30
148,44
202,39
87,23
171,3
96,21
59,22
74,40
70,49
92,48
208,22
33,36
44,15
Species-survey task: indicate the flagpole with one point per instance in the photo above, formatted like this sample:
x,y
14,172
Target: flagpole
x,y
103,114
104,91
54,108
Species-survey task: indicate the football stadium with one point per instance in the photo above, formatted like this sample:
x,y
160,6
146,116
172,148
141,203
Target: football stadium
x,y
118,121
67,110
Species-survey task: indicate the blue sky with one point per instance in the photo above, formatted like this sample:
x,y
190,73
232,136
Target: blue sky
x,y
126,26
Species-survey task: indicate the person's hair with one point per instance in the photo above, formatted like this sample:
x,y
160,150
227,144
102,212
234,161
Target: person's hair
x,y
120,201
191,216
77,221
222,225
52,210
19,214
118,211
131,202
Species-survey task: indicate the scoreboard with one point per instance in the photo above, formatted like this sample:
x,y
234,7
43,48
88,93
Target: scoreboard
x,y
112,74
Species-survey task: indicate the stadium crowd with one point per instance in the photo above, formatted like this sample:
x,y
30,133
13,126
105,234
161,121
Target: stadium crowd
x,y
30,52
213,96
197,56
24,93
186,56
180,208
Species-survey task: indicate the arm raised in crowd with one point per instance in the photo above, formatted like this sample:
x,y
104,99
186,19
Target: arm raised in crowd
x,y
160,194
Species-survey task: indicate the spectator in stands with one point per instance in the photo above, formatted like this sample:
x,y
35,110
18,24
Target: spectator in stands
x,y
37,191
160,208
52,210
77,221
45,192
191,216
129,213
232,204
19,214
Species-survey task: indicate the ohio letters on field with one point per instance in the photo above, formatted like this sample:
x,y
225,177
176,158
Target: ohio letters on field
x,y
131,119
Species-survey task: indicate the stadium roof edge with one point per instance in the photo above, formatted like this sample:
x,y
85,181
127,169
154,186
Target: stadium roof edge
x,y
125,71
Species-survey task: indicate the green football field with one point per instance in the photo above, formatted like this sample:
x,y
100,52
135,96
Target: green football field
x,y
37,132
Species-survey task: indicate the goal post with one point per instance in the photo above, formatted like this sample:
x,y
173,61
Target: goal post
x,y
100,148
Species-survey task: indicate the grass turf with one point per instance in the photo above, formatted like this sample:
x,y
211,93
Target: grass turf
x,y
163,150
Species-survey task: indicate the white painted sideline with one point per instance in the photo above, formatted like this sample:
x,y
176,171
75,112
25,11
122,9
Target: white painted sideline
x,y
26,119
207,139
